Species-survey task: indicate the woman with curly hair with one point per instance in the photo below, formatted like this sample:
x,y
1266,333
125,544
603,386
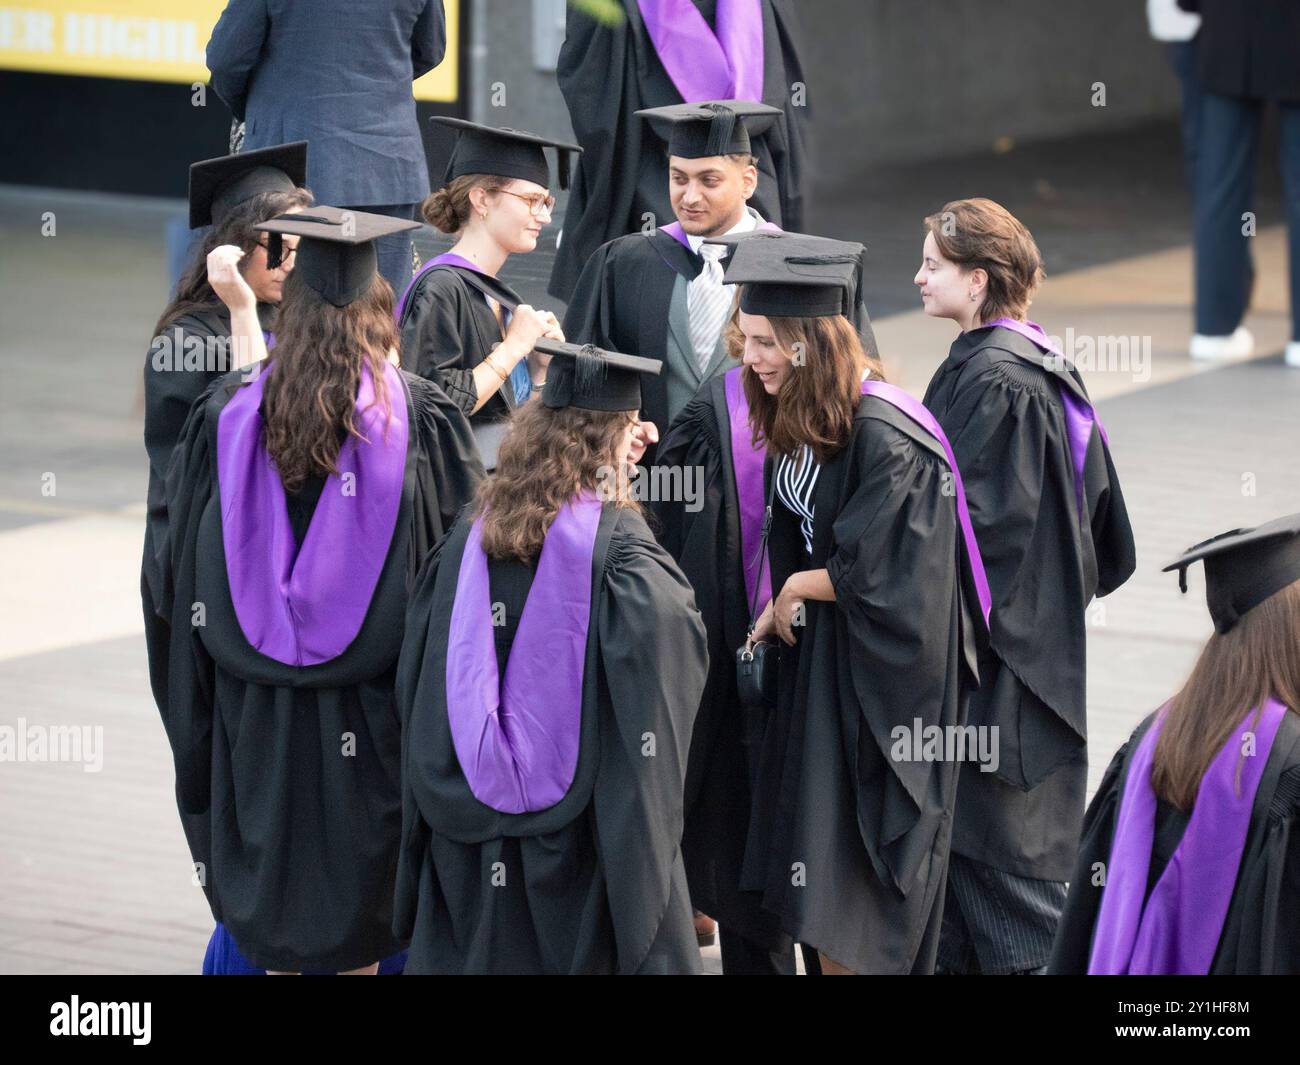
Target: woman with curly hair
x,y
551,670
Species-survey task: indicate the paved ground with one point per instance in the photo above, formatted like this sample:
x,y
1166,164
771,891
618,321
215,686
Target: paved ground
x,y
94,875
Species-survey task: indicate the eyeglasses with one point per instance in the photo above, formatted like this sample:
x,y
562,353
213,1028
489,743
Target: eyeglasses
x,y
537,202
287,250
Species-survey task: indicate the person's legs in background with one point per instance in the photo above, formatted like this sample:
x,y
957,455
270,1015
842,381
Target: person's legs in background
x,y
1290,163
1182,58
394,251
1227,147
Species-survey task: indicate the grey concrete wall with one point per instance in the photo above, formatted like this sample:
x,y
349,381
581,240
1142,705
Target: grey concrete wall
x,y
900,80
907,80
506,88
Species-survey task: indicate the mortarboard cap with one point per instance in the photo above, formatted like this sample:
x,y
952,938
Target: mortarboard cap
x,y
793,275
505,152
590,378
715,127
1244,567
217,185
336,253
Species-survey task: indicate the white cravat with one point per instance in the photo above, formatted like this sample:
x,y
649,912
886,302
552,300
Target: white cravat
x,y
707,301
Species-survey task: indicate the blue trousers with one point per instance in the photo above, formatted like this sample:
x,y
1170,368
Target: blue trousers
x,y
223,958
1226,156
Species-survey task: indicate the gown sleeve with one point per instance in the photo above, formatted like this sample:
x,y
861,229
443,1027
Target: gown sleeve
x,y
435,338
998,429
654,662
1262,931
169,393
1073,945
898,610
191,674
691,442
790,166
588,317
448,467
1112,533
410,665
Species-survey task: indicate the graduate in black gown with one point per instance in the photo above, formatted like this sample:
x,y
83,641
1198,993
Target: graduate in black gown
x,y
550,675
713,531
461,324
662,292
879,607
1190,857
670,52
301,495
1054,531
189,349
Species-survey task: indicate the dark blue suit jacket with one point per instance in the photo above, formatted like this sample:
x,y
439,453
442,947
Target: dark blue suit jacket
x,y
337,74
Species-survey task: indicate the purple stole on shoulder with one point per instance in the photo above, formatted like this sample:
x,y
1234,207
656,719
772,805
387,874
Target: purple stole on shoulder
x,y
305,605
915,410
747,470
1176,929
517,740
1080,417
702,64
445,259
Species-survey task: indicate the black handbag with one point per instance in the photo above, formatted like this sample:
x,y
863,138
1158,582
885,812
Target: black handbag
x,y
756,665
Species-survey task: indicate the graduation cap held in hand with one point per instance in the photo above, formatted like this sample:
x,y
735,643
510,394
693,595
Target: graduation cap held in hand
x,y
590,378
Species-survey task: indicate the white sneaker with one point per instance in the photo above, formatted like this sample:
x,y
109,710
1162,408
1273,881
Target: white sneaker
x,y
1240,345
1292,356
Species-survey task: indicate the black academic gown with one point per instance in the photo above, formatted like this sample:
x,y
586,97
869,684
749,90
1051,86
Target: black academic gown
x,y
705,541
1261,933
849,844
297,843
448,329
1003,416
169,391
622,301
608,73
595,883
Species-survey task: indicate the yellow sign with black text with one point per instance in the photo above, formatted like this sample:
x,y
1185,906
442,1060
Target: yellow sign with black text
x,y
149,40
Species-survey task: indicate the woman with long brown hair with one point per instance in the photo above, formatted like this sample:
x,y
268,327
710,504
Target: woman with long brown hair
x,y
461,324
877,605
551,670
1050,518
713,527
1190,858
303,494
191,345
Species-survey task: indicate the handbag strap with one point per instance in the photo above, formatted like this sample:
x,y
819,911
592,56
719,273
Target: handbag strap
x,y
762,544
